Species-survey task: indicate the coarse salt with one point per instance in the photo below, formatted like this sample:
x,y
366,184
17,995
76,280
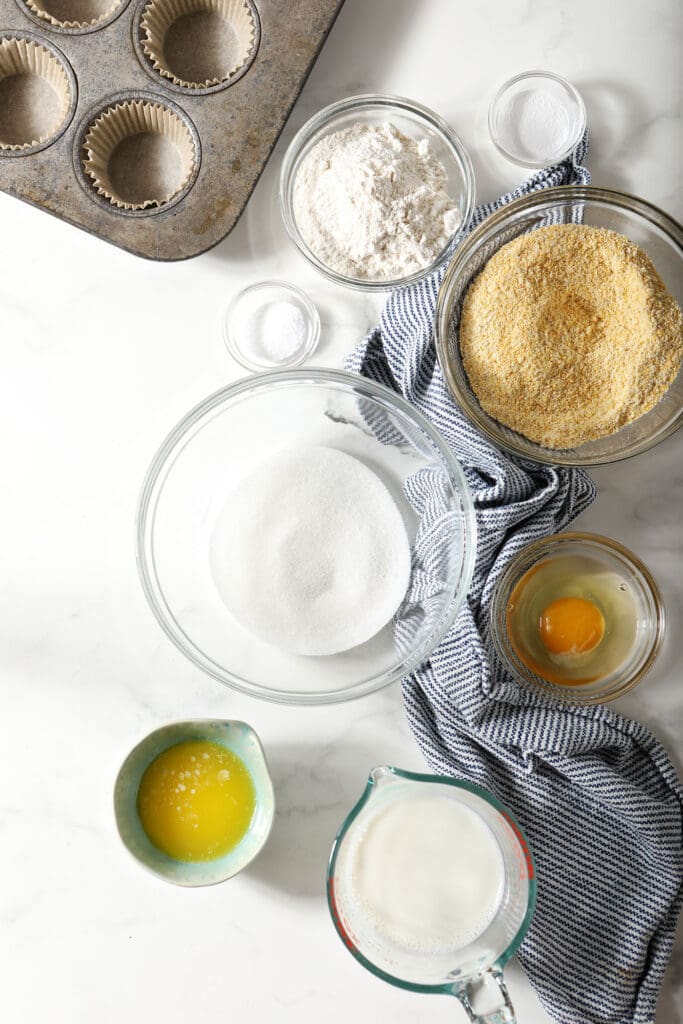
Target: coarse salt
x,y
268,329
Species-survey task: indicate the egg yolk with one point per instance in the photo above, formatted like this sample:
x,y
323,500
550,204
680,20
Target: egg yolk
x,y
196,801
571,625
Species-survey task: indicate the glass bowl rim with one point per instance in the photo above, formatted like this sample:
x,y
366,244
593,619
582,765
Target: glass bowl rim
x,y
560,194
175,442
573,93
521,562
313,324
404,107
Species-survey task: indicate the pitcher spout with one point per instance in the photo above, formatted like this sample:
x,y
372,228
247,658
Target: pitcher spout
x,y
382,776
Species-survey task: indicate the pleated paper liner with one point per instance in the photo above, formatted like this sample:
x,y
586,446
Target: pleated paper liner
x,y
139,154
36,94
75,15
198,44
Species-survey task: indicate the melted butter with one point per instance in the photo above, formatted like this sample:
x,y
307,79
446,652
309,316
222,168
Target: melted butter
x,y
196,801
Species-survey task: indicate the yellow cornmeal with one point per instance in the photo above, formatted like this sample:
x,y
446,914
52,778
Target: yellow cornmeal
x,y
568,334
196,800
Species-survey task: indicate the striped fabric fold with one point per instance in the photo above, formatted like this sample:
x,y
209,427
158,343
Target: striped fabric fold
x,y
595,793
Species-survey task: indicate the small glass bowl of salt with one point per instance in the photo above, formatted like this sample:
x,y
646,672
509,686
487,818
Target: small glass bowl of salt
x,y
537,119
269,325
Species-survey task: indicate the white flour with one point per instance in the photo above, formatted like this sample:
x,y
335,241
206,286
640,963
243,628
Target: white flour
x,y
310,553
372,203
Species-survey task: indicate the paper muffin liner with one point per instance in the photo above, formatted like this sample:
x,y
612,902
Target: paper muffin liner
x,y
74,14
19,56
126,120
158,17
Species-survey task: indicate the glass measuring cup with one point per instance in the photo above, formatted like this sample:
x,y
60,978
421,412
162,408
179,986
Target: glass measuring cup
x,y
458,972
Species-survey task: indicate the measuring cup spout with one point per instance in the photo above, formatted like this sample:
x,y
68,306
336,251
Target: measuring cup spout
x,y
381,776
504,1014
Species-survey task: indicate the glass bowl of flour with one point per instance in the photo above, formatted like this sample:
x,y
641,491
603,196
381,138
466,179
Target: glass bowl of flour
x,y
375,191
305,536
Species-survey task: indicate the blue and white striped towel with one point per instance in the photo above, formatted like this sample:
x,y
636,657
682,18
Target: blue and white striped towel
x,y
595,793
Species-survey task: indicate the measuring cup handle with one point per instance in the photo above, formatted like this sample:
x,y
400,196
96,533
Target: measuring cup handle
x,y
504,1014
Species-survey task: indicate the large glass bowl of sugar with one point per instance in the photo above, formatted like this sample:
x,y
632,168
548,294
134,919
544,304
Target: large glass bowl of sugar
x,y
228,436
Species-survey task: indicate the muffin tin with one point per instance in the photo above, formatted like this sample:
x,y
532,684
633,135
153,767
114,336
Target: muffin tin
x,y
148,123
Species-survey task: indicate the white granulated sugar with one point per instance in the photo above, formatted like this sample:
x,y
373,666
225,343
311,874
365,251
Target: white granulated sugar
x,y
310,553
372,203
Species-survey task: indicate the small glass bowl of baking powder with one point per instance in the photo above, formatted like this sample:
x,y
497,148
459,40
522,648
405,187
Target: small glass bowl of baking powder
x,y
423,128
537,119
271,325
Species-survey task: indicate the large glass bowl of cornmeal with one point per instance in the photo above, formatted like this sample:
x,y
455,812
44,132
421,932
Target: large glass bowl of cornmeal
x,y
559,327
305,536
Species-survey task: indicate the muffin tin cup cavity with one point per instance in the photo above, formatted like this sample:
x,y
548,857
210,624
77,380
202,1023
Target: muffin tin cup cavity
x,y
37,94
74,15
198,45
139,154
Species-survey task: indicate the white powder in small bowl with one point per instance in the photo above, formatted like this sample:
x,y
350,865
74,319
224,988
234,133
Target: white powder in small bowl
x,y
537,124
310,553
271,324
372,203
274,331
537,119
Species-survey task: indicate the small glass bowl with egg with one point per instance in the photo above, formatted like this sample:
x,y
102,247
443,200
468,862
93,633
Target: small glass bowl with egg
x,y
577,616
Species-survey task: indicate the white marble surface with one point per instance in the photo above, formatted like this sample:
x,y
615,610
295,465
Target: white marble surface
x,y
101,353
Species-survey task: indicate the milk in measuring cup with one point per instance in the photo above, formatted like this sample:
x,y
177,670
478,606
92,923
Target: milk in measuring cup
x,y
428,873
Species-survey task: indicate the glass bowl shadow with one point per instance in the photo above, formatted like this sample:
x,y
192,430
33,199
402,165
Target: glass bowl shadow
x,y
653,230
222,440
